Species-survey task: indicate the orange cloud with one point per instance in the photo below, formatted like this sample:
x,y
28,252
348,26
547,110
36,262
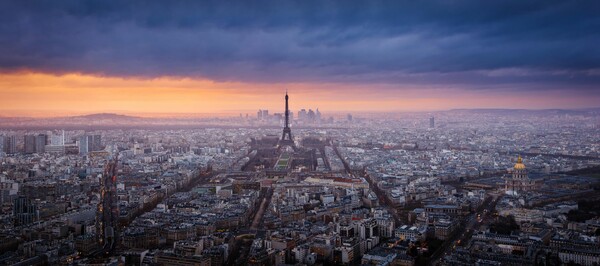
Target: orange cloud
x,y
40,94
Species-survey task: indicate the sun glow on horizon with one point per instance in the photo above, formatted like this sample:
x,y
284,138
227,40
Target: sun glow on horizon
x,y
44,95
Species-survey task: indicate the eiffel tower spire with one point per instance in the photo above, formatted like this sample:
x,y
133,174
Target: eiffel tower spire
x,y
286,137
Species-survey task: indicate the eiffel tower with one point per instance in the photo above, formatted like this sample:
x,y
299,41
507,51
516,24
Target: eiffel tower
x,y
286,137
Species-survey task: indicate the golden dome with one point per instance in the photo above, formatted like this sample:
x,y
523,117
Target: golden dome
x,y
519,165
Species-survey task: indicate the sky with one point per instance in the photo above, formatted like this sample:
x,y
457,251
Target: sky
x,y
186,57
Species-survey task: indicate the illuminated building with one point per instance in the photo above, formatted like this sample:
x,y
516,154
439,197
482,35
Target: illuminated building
x,y
519,181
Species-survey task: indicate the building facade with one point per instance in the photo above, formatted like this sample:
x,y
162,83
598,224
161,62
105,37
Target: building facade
x,y
519,181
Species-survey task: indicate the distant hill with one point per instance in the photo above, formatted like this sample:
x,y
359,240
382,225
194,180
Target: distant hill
x,y
529,111
105,116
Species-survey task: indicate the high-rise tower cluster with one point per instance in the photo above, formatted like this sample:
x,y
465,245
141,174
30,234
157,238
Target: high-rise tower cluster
x,y
89,143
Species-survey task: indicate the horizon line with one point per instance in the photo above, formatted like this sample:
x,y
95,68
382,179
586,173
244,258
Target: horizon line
x,y
236,113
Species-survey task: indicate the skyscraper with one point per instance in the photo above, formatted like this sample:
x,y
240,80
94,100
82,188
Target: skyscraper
x,y
10,144
302,114
40,143
311,115
318,115
58,140
29,147
96,142
107,214
83,145
431,122
89,143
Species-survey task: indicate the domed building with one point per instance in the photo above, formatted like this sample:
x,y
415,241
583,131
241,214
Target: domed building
x,y
519,181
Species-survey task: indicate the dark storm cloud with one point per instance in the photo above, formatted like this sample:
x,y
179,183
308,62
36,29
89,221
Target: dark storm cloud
x,y
421,42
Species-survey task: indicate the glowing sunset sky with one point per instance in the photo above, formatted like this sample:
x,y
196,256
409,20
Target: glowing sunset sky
x,y
78,57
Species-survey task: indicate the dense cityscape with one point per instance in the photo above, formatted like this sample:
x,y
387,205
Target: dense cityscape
x,y
460,187
282,132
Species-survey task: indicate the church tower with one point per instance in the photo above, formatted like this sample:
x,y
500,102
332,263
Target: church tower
x,y
519,181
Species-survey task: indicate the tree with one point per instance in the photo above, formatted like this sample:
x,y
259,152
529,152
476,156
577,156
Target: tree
x,y
504,225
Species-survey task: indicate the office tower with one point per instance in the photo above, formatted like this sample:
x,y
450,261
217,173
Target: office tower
x,y
279,118
286,137
1,144
29,146
23,211
302,115
349,117
311,115
431,122
40,143
318,115
10,144
89,143
58,140
86,143
262,115
107,214
96,142
83,145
